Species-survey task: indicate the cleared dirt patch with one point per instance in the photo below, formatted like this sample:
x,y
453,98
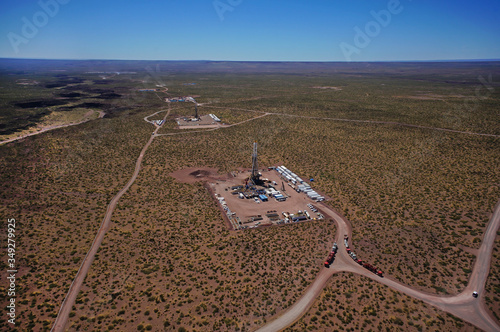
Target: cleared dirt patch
x,y
205,121
253,212
336,88
430,96
197,174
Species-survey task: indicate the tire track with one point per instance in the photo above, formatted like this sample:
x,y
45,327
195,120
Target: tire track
x,y
74,289
463,305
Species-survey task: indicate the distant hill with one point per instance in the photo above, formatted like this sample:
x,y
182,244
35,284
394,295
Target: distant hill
x,y
33,65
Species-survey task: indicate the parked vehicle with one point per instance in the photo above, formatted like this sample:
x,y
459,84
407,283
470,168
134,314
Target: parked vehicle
x,y
330,259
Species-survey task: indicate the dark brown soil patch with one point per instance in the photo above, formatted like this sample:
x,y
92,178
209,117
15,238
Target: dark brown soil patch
x,y
196,174
199,173
72,95
110,95
40,103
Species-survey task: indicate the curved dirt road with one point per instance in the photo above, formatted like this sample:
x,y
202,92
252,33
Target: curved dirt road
x,y
402,124
74,289
389,123
146,118
342,260
463,305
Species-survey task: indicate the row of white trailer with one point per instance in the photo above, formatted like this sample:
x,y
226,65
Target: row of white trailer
x,y
214,117
229,213
315,196
289,175
302,185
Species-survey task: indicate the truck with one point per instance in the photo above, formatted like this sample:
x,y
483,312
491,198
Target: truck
x,y
372,269
299,218
331,256
359,261
330,259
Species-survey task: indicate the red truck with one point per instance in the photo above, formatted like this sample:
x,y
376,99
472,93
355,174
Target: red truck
x,y
330,259
372,268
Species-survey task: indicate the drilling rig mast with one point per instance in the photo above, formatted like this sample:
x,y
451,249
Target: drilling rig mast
x,y
255,177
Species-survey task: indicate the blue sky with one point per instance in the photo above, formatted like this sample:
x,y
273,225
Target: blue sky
x,y
251,30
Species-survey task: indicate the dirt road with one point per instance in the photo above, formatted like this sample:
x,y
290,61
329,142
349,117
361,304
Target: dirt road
x,y
389,123
151,121
365,121
74,289
349,120
463,305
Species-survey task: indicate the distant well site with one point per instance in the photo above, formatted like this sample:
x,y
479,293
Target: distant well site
x,y
265,197
196,121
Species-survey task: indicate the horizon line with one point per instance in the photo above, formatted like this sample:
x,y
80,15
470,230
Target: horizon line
x,y
263,61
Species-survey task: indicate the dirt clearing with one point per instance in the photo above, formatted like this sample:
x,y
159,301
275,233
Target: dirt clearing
x,y
197,174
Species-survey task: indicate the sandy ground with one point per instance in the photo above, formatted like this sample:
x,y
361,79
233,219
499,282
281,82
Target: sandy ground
x,y
42,129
